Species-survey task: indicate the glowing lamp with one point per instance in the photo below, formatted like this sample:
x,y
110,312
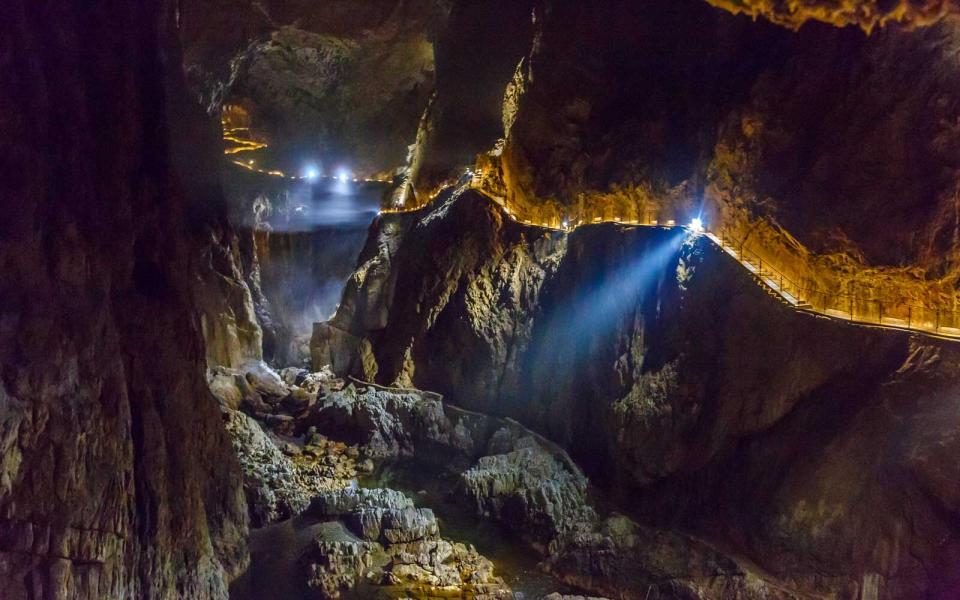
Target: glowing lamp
x,y
565,224
311,173
696,225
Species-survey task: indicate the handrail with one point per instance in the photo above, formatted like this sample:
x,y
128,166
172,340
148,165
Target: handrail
x,y
897,314
900,314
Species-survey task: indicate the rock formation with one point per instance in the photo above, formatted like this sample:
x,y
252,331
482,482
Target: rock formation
x,y
372,541
116,477
798,150
528,485
866,14
669,374
339,84
380,538
295,246
736,447
279,486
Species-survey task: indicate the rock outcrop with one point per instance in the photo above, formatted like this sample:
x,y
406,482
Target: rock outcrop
x,y
280,484
793,143
866,14
338,85
529,490
116,477
694,398
379,538
524,485
281,475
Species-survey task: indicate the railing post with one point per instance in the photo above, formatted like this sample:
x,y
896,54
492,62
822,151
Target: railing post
x,y
880,305
909,316
937,323
851,308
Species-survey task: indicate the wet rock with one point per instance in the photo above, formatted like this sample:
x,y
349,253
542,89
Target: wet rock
x,y
378,537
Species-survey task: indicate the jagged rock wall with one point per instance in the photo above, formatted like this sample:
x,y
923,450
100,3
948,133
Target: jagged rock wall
x,y
116,477
340,84
864,13
225,294
477,50
620,105
295,245
821,451
830,151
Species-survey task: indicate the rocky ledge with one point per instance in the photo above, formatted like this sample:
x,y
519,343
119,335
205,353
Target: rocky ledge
x,y
374,540
379,539
818,450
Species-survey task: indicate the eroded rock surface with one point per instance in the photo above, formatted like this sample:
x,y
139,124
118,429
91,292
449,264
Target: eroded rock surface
x,y
545,500
281,484
696,399
379,538
866,14
342,84
116,477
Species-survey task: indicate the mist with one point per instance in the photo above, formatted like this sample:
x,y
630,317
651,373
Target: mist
x,y
325,203
315,231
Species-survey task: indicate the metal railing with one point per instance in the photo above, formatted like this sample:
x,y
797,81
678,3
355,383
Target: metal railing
x,y
790,290
868,305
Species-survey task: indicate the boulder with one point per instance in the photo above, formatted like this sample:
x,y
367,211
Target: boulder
x,y
278,486
378,536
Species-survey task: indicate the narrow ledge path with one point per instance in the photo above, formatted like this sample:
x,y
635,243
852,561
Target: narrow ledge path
x,y
899,316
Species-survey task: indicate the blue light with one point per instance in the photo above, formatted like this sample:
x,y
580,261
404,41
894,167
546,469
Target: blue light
x,y
311,173
344,175
696,224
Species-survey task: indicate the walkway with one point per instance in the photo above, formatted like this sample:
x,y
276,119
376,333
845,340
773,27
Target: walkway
x,y
900,314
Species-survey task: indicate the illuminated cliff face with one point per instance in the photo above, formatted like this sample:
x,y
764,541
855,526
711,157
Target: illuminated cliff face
x,y
823,452
866,14
332,86
830,152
